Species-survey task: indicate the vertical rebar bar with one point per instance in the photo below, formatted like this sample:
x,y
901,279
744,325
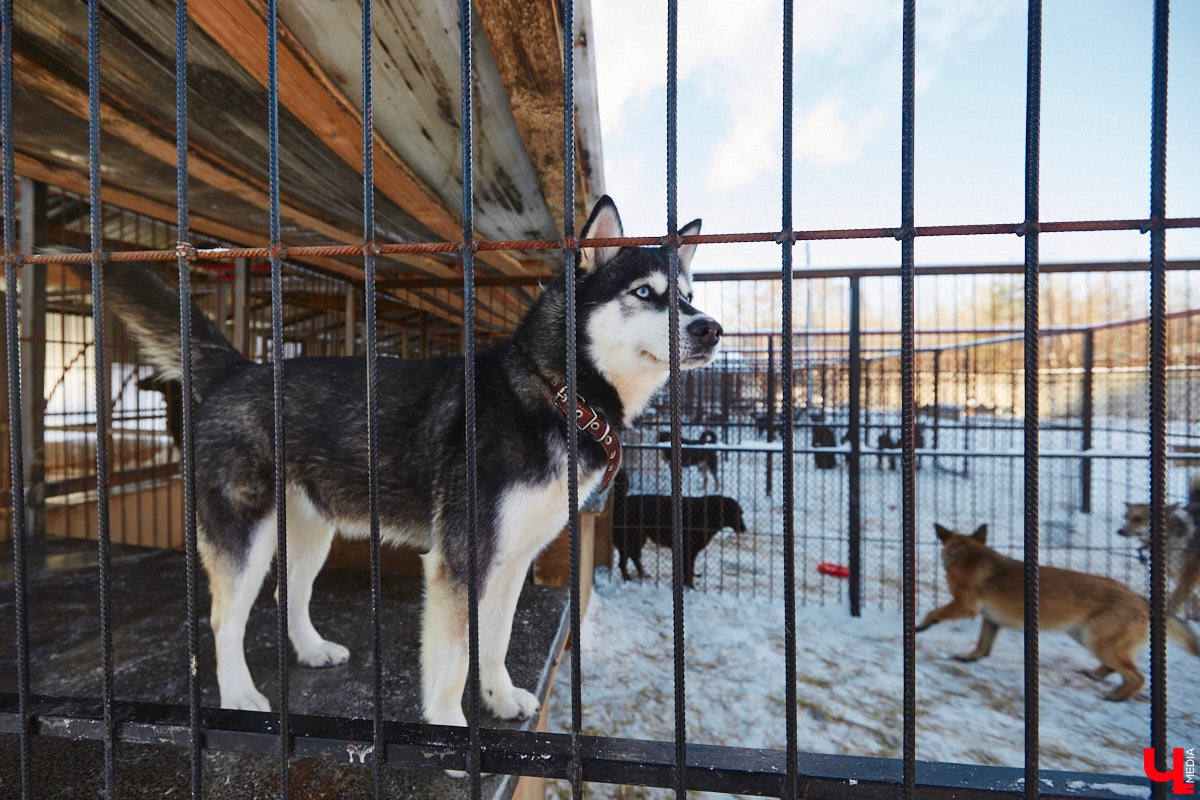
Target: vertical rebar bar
x,y
787,434
907,340
1033,88
372,356
474,755
1158,396
187,448
677,553
277,357
101,397
15,429
568,26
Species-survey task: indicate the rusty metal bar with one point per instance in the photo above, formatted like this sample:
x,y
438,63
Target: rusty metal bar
x,y
777,237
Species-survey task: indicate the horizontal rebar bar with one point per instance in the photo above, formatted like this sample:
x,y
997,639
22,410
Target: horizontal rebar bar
x,y
714,768
778,237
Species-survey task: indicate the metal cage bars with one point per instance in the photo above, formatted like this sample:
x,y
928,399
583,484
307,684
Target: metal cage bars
x,y
583,755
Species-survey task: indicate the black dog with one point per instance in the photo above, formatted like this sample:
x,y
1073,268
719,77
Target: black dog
x,y
639,518
706,460
823,436
886,442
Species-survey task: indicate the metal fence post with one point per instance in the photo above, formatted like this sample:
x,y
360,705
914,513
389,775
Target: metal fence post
x,y
854,460
769,413
937,417
1085,464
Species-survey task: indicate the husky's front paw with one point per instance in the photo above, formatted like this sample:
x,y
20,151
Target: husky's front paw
x,y
246,699
517,704
323,654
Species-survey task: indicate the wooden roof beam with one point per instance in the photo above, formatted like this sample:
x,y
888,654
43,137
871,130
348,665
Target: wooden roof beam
x,y
526,41
200,166
313,98
73,181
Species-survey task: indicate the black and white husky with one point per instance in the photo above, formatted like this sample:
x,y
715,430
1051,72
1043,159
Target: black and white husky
x,y
623,326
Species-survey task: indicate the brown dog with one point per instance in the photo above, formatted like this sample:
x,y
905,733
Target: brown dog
x,y
1183,542
1103,615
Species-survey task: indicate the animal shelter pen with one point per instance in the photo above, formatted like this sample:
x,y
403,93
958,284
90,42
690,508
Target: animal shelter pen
x,y
573,756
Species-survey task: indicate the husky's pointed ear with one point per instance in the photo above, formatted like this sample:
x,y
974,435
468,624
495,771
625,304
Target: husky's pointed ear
x,y
942,533
980,534
686,251
604,223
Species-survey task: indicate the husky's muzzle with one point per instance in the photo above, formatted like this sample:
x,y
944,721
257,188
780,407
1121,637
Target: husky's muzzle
x,y
704,336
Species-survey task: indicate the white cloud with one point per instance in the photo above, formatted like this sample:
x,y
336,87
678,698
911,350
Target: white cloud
x,y
827,138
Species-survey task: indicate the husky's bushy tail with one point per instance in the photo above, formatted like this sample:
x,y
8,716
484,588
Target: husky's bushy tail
x,y
149,307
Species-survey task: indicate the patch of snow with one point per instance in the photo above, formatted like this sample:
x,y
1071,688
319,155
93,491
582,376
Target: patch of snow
x,y
850,686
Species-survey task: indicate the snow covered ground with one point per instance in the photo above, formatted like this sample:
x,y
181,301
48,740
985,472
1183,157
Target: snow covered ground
x,y
956,492
849,682
849,685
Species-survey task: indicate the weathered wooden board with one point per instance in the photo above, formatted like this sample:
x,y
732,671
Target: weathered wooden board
x,y
516,155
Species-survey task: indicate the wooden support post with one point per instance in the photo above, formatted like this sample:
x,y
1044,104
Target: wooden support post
x,y
351,321
222,307
33,355
241,310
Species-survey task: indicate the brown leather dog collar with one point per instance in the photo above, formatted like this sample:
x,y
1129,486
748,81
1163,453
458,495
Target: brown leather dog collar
x,y
594,425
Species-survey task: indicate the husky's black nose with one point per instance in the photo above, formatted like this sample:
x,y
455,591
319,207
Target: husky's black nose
x,y
707,330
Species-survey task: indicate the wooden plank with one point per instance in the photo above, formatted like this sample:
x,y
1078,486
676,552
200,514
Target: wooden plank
x,y
33,356
114,122
320,104
553,566
111,193
227,108
526,42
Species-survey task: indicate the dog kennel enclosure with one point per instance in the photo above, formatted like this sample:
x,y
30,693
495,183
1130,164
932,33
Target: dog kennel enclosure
x,y
976,397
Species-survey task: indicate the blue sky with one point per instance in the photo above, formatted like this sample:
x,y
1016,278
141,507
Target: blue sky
x,y
970,123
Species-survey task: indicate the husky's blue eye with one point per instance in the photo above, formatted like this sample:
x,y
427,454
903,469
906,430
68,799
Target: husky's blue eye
x,y
643,292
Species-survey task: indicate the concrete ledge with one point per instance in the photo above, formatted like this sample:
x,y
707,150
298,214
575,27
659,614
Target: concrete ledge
x,y
150,655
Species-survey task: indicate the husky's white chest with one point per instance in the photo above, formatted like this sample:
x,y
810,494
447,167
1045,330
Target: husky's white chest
x,y
531,515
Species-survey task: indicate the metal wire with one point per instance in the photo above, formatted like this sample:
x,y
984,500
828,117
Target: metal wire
x,y
277,357
791,709
372,337
474,753
187,448
1033,97
15,430
101,398
907,341
1158,394
568,25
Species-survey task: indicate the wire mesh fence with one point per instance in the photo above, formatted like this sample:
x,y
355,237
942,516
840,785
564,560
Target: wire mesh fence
x,y
969,422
